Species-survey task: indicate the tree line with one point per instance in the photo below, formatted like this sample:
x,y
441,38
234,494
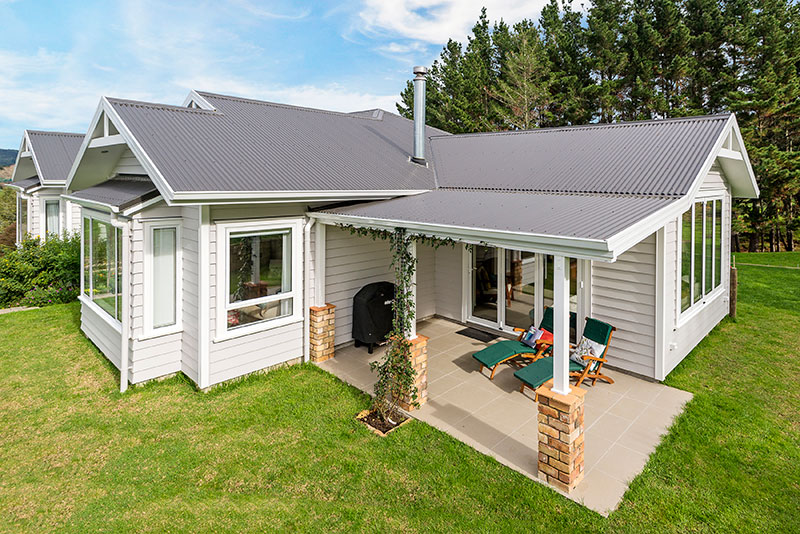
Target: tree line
x,y
624,60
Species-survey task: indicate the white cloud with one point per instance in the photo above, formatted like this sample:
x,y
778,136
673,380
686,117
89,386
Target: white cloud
x,y
436,21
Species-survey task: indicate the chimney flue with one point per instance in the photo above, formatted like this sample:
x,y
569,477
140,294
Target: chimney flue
x,y
419,115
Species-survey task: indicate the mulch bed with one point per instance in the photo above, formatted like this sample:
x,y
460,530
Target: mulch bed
x,y
373,420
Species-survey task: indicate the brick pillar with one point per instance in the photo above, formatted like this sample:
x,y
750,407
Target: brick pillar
x,y
321,326
419,360
516,272
561,437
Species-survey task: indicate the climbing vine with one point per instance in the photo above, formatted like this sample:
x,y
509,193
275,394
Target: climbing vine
x,y
395,373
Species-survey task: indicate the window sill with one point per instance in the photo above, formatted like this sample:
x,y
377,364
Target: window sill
x,y
686,316
116,325
160,332
257,328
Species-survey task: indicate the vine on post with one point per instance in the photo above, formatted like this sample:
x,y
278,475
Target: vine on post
x,y
395,372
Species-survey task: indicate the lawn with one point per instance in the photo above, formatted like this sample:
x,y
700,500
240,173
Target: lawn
x,y
282,451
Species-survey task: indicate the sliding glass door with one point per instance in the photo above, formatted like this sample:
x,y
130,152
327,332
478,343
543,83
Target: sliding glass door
x,y
511,288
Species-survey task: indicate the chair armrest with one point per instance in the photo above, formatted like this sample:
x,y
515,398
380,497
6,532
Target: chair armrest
x,y
594,358
519,329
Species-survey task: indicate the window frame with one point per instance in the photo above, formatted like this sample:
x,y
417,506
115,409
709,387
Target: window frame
x,y
150,331
23,231
706,297
87,299
222,281
43,200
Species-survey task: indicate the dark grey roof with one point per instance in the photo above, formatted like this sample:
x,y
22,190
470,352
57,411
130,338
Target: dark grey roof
x,y
25,185
565,215
55,153
659,157
250,145
121,191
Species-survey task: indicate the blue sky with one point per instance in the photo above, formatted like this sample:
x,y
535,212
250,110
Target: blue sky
x,y
58,58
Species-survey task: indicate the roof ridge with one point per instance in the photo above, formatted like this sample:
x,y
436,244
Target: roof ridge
x,y
592,126
563,192
165,107
348,114
48,132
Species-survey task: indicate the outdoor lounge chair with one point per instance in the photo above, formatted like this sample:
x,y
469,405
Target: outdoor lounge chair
x,y
540,371
502,351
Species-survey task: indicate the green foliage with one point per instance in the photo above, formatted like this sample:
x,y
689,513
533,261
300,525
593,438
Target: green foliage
x,y
8,207
52,294
35,264
640,59
395,373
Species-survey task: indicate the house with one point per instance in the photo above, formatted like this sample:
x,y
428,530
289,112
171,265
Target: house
x,y
213,231
40,174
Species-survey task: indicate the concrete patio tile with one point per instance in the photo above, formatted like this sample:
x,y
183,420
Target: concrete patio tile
x,y
505,416
659,417
480,431
600,492
672,398
622,463
622,382
594,449
466,398
520,454
629,409
527,435
642,436
443,384
644,391
609,427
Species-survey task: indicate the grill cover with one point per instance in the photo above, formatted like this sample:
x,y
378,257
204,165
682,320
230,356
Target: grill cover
x,y
372,312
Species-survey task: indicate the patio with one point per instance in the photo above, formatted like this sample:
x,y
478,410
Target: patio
x,y
624,421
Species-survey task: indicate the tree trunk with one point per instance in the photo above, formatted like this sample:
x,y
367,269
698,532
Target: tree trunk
x,y
772,239
736,244
752,246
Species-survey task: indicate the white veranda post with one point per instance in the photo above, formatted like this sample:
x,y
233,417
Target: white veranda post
x,y
561,324
412,249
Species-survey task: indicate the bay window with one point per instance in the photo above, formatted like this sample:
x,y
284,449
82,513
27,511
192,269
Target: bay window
x,y
162,278
701,252
259,283
102,265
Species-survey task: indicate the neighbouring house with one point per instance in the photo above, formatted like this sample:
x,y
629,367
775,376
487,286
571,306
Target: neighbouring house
x,y
214,245
40,174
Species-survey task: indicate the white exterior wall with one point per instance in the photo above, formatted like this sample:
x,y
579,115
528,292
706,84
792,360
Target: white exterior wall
x,y
426,281
448,280
624,296
684,331
231,358
351,262
100,331
34,216
191,299
128,164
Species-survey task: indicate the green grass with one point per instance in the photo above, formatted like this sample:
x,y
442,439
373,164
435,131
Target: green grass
x,y
785,259
282,451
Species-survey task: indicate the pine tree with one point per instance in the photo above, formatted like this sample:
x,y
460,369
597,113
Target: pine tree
x,y
607,58
707,59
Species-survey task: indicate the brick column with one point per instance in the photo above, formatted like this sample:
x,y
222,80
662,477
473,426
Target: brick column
x,y
419,360
321,326
561,437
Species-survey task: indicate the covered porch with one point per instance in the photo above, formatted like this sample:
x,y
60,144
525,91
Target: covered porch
x,y
624,422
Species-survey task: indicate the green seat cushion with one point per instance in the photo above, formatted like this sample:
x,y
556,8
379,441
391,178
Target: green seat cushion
x,y
540,371
502,350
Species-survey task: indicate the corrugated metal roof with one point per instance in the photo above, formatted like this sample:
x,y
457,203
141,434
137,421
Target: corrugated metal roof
x,y
560,215
659,157
250,145
24,185
121,191
55,153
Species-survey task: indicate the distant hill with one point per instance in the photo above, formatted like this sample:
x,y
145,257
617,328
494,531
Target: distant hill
x,y
5,173
8,156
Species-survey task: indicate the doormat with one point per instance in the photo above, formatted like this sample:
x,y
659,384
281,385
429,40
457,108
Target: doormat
x,y
480,335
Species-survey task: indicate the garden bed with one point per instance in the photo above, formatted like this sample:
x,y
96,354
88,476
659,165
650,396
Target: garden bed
x,y
375,423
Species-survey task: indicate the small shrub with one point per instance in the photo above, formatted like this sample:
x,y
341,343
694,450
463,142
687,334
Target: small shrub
x,y
35,264
45,296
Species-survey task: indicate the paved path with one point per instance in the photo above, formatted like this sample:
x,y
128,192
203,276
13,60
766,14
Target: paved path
x,y
15,309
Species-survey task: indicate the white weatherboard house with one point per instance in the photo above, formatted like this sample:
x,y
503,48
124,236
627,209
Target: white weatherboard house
x,y
40,174
210,230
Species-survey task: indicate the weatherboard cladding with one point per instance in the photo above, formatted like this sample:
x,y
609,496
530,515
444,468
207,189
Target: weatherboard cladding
x,y
661,157
121,191
55,152
250,145
565,215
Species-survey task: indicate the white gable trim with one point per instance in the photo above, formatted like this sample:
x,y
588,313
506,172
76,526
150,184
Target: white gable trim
x,y
199,101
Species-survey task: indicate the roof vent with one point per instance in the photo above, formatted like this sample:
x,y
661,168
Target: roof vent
x,y
419,115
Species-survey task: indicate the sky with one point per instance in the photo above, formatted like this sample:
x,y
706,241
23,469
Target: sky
x,y
57,58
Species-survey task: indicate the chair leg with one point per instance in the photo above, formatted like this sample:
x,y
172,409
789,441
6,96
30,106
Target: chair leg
x,y
481,370
491,377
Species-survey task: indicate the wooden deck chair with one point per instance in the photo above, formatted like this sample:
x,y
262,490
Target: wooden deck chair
x,y
539,372
502,351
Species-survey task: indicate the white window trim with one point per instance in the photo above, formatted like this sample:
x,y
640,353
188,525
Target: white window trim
x,y
685,316
223,233
43,200
149,331
22,232
106,218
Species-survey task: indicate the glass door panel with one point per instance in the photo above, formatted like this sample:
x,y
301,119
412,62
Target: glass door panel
x,y
484,283
573,288
520,288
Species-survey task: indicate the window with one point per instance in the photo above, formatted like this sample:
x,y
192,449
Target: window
x,y
262,279
52,217
701,262
162,278
22,217
102,265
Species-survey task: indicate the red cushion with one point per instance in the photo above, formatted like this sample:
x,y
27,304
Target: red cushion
x,y
546,336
